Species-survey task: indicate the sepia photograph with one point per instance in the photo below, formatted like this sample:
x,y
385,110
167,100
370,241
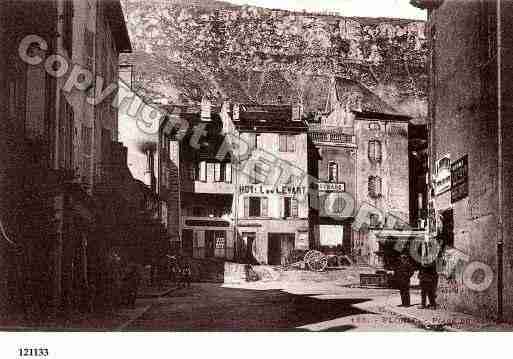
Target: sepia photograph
x,y
255,166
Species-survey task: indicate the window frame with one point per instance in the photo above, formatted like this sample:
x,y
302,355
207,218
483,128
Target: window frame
x,y
335,164
375,151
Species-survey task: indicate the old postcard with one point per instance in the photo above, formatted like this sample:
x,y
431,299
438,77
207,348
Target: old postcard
x,y
255,166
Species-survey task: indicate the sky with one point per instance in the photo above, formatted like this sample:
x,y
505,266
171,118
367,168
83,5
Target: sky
x,y
362,8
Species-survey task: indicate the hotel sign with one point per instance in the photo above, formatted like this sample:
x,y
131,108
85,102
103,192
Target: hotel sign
x,y
459,179
331,187
266,189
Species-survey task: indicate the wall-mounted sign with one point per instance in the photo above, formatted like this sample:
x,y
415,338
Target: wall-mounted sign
x,y
459,179
442,180
331,187
266,189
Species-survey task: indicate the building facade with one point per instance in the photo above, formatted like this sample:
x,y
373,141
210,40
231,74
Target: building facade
x,y
360,158
470,154
245,208
57,149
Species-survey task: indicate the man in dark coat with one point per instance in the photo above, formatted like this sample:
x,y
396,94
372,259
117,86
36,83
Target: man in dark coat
x,y
403,273
428,278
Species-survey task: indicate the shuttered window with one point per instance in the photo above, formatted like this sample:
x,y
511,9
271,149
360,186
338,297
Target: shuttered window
x,y
283,143
374,151
291,143
217,172
87,142
203,171
256,207
228,173
375,186
264,207
89,47
35,102
333,172
290,207
287,143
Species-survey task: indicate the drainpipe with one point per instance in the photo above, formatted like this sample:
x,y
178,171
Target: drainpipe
x,y
500,227
60,199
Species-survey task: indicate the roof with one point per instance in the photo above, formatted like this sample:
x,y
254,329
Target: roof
x,y
116,19
268,118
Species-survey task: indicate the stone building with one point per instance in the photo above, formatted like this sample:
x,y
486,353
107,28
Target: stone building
x,y
58,151
242,208
471,157
360,157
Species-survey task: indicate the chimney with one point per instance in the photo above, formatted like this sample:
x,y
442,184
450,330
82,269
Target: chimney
x,y
297,112
236,112
206,108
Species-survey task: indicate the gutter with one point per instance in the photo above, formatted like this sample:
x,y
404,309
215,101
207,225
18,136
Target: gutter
x,y
500,169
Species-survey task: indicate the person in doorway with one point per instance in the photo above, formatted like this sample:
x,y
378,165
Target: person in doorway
x,y
403,273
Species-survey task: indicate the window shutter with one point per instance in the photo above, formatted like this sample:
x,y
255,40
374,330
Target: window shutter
x,y
374,186
294,207
246,206
203,171
228,173
217,172
283,143
252,141
375,151
264,202
291,143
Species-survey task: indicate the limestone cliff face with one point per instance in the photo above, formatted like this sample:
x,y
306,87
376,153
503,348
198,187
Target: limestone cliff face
x,y
184,50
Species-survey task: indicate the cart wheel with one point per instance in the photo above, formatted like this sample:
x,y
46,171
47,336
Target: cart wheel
x,y
316,261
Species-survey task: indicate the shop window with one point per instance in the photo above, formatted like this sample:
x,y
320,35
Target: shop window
x,y
374,151
290,207
287,143
333,172
255,207
375,187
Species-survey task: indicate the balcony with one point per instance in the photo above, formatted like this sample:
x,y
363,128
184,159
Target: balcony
x,y
213,187
333,138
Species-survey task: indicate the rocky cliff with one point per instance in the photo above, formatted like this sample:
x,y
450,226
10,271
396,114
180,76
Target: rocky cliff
x,y
186,49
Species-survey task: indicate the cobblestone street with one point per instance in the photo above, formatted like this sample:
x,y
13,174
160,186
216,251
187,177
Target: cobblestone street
x,y
272,307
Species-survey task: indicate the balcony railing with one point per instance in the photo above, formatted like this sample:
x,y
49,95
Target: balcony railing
x,y
328,137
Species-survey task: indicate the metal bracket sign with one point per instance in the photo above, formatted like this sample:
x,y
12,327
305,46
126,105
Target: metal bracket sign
x,y
459,179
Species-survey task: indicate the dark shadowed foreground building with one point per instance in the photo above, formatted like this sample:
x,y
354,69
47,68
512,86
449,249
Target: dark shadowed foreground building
x,y
471,152
70,211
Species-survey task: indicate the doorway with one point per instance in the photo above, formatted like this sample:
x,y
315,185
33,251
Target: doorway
x,y
248,240
187,245
210,243
280,246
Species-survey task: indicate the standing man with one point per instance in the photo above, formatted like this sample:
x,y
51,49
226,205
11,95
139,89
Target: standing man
x,y
403,273
428,278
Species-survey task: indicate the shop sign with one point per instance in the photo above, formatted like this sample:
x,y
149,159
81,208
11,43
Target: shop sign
x,y
442,180
267,189
459,179
331,187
